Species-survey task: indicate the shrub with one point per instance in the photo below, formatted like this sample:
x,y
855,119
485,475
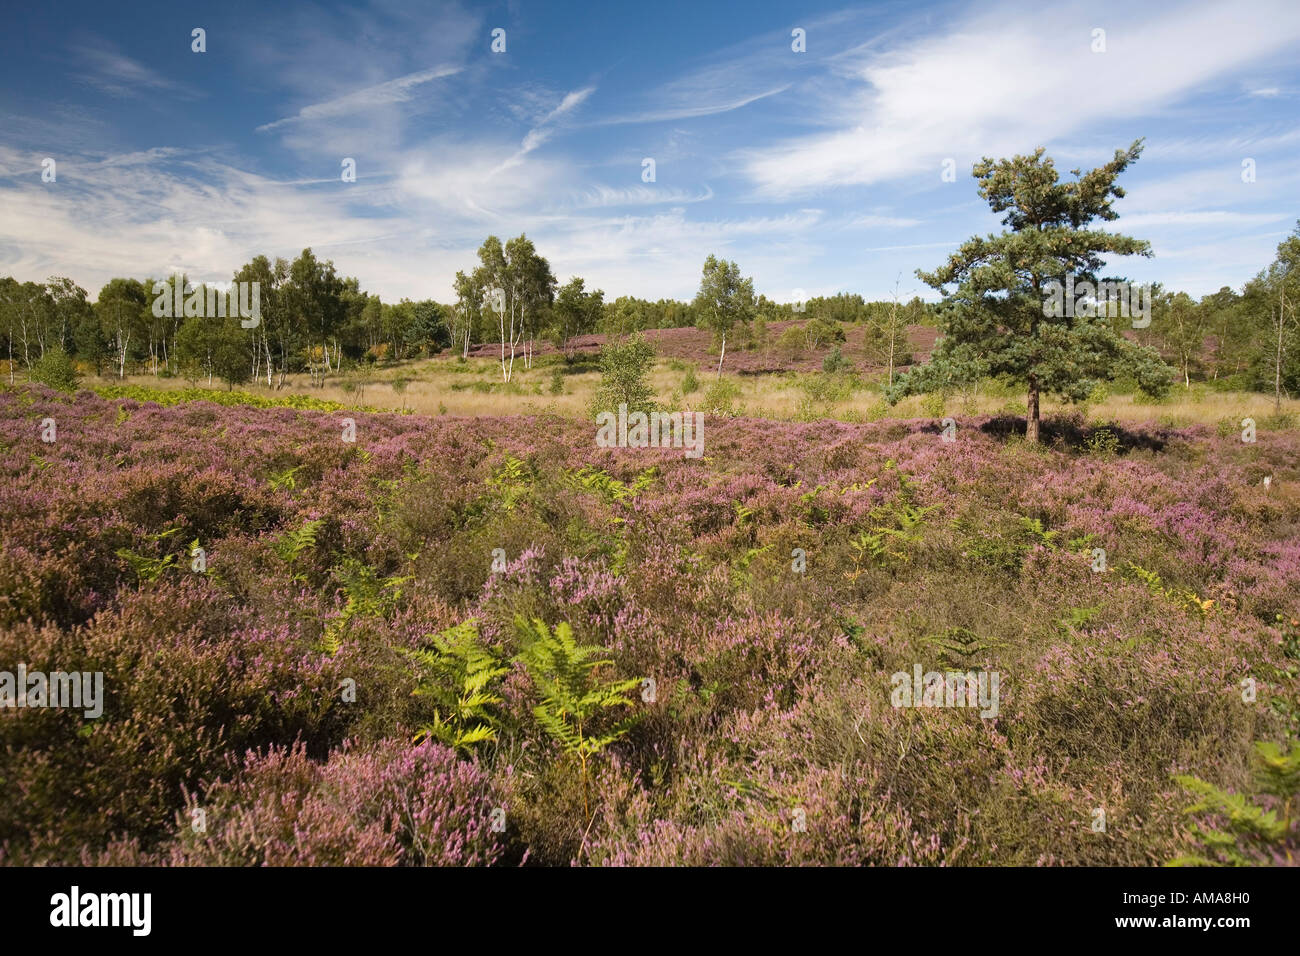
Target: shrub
x,y
773,680
624,376
574,698
817,332
392,804
933,404
791,343
720,398
1103,441
835,361
827,387
56,370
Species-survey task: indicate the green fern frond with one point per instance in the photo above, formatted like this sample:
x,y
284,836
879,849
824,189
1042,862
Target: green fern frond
x,y
293,542
456,673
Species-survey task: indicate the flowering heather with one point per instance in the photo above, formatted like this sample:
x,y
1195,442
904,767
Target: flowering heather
x,y
763,594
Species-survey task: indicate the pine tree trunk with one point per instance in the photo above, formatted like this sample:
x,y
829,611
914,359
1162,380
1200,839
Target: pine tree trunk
x,y
1031,425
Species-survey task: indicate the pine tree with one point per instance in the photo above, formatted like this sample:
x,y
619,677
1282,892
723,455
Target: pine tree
x,y
997,323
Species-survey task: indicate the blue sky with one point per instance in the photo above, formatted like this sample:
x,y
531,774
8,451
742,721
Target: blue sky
x,y
818,171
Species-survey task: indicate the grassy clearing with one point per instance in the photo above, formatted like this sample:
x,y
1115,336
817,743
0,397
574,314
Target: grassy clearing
x,y
447,386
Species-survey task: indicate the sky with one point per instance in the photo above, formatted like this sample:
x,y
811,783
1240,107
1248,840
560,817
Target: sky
x,y
819,170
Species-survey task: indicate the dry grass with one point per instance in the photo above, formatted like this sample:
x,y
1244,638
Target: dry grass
x,y
474,388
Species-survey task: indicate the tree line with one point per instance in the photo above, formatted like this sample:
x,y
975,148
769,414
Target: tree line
x,y
315,321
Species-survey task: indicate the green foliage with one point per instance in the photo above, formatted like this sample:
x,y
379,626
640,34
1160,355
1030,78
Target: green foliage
x,y
959,648
791,343
595,479
1180,597
998,320
365,593
624,376
1247,834
56,370
720,398
724,298
1000,546
216,347
690,383
149,569
456,675
890,541
835,361
576,312
575,700
175,396
1036,534
293,542
817,332
1103,442
830,386
1079,618
285,479
510,481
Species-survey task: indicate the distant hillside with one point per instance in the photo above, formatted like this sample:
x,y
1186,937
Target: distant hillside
x,y
690,344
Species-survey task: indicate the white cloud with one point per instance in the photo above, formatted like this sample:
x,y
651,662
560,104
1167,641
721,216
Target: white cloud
x,y
605,196
544,130
122,76
1005,82
685,109
381,94
883,222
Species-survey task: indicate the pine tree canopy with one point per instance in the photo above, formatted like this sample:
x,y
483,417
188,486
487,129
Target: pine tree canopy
x,y
996,323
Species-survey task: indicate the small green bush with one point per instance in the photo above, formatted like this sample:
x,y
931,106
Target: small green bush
x,y
791,342
56,370
1104,441
835,361
932,405
1279,421
624,376
721,397
827,387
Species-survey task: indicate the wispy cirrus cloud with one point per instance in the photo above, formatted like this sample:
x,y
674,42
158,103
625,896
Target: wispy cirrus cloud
x,y
687,106
398,90
112,72
601,197
816,170
544,130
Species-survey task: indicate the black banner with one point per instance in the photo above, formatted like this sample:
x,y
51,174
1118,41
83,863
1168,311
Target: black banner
x,y
214,906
